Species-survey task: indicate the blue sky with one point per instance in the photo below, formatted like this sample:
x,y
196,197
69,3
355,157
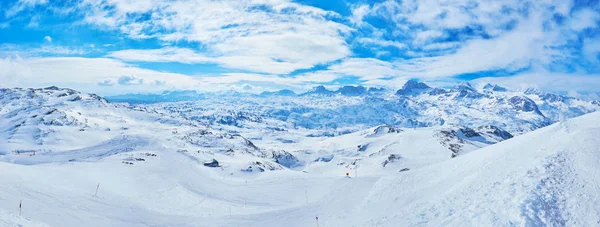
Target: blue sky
x,y
127,46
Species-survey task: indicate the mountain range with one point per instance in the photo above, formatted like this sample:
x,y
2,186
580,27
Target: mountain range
x,y
419,155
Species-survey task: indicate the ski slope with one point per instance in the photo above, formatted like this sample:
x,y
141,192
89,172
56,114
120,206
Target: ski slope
x,y
546,177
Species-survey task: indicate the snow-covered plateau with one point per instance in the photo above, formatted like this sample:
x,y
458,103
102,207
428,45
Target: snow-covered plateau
x,y
356,156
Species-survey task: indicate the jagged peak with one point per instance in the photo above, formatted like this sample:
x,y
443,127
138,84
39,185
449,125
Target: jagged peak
x,y
532,91
522,103
376,89
494,87
321,90
352,90
464,86
414,84
283,92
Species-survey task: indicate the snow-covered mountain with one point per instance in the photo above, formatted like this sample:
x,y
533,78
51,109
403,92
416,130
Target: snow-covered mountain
x,y
543,178
280,158
350,109
52,125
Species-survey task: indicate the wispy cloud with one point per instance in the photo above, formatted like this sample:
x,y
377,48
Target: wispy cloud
x,y
45,49
262,36
130,80
21,5
88,74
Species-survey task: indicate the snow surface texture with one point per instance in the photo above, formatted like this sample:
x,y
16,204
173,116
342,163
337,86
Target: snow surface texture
x,y
202,164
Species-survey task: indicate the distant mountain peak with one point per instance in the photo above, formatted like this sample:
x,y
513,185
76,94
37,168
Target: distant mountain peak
x,y
352,90
532,91
494,87
320,90
414,84
283,92
181,92
411,86
522,103
464,86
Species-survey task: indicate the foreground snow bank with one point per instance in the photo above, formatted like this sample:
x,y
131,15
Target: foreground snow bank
x,y
13,219
545,178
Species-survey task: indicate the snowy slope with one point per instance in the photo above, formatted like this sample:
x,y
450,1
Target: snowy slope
x,y
526,181
54,125
58,145
11,219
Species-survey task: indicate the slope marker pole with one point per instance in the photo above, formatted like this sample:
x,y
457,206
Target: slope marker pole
x,y
95,194
306,195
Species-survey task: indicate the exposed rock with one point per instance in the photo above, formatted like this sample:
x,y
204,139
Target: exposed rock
x,y
391,158
213,163
490,129
285,158
494,87
327,158
352,90
284,92
363,147
469,132
450,140
412,85
261,166
524,104
437,91
404,170
319,90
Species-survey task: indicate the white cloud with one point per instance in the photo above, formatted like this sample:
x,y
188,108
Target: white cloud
x,y
95,74
11,50
270,36
527,44
34,22
584,18
358,13
381,42
130,80
275,54
591,50
365,68
107,82
21,5
87,74
424,36
547,81
167,54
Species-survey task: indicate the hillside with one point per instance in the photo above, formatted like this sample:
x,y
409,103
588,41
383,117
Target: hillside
x,y
151,169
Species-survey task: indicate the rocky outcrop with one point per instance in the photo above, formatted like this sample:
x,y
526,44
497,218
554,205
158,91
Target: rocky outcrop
x,y
524,104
